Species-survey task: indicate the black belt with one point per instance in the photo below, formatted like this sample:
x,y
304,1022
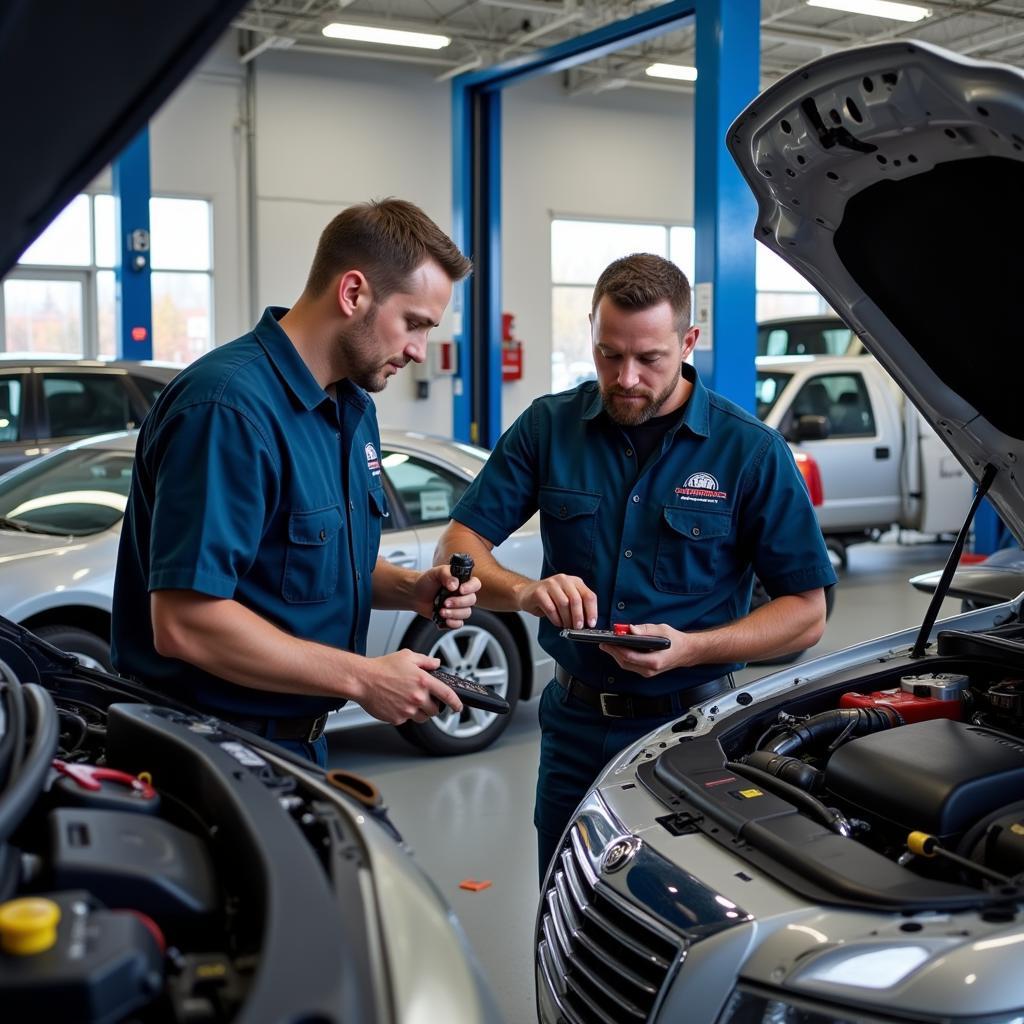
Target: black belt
x,y
627,705
306,730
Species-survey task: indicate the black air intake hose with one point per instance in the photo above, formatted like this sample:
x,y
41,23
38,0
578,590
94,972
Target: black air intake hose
x,y
830,726
789,769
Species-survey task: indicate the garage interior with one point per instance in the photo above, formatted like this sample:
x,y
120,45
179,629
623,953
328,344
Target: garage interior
x,y
596,150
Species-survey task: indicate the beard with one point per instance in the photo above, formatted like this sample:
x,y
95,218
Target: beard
x,y
634,414
362,352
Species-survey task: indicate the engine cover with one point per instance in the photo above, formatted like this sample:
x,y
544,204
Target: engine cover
x,y
938,776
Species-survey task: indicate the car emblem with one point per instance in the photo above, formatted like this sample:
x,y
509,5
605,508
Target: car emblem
x,y
618,855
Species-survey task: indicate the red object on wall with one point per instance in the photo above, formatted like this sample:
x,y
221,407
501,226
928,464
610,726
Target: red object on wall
x,y
511,350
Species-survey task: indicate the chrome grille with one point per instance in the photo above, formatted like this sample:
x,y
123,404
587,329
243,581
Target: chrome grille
x,y
602,962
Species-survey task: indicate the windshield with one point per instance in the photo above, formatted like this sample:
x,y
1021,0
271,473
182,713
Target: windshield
x,y
769,387
74,492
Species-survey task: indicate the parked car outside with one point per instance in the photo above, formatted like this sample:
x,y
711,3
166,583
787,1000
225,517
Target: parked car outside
x,y
842,842
47,403
60,521
806,336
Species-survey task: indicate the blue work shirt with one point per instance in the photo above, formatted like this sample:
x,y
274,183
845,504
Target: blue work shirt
x,y
674,541
251,483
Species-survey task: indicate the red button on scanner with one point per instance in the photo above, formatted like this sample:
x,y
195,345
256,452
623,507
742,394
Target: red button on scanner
x,y
621,629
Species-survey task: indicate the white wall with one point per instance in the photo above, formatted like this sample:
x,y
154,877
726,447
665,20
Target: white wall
x,y
331,131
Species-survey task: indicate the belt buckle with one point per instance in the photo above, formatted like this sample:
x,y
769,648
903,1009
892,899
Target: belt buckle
x,y
317,729
605,709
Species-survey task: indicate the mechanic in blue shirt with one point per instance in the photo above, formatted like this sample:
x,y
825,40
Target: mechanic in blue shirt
x,y
659,500
248,557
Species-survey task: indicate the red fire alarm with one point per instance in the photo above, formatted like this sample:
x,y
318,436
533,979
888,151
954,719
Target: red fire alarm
x,y
511,350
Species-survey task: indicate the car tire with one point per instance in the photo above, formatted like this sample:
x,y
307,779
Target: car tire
x,y
482,650
760,597
92,651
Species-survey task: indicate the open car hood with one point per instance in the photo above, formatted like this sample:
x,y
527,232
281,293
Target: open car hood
x,y
81,80
891,177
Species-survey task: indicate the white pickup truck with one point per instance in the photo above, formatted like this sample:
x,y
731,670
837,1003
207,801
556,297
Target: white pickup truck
x,y
881,464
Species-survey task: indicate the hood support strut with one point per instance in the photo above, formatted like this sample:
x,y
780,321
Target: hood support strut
x,y
951,563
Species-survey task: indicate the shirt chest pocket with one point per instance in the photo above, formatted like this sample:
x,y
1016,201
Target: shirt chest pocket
x,y
311,560
568,527
690,548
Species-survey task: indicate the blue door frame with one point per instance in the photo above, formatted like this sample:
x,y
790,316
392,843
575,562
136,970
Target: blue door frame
x,y
727,36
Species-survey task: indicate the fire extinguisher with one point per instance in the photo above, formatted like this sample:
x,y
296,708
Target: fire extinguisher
x,y
511,349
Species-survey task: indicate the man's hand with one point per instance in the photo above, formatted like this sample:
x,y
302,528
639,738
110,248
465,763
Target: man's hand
x,y
399,688
565,601
682,653
454,609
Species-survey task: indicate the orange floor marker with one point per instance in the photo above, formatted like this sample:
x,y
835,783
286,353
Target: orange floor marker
x,y
473,886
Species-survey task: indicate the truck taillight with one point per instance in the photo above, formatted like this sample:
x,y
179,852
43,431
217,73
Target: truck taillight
x,y
809,470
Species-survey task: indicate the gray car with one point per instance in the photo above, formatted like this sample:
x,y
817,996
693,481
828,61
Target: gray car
x,y
843,841
60,522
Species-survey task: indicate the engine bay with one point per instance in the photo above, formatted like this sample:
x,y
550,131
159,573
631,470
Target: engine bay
x,y
900,785
156,867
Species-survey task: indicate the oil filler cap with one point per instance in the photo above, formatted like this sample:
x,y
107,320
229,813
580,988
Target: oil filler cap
x,y
28,925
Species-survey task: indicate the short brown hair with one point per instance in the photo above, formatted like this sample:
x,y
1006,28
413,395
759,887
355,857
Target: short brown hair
x,y
386,240
641,281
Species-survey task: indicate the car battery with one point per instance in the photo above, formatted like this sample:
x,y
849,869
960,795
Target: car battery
x,y
917,698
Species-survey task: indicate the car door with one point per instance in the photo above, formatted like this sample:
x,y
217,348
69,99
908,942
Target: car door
x,y
76,403
18,441
860,459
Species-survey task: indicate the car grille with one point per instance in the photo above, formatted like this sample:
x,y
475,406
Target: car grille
x,y
602,962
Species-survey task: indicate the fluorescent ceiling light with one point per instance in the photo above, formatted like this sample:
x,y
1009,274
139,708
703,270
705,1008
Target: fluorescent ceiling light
x,y
679,72
875,8
390,36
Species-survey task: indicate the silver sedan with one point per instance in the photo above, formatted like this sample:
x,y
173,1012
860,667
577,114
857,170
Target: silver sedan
x,y
60,520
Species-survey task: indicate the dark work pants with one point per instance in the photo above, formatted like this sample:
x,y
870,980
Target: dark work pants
x,y
575,744
315,752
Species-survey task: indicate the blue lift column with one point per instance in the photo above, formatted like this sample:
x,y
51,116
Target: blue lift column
x,y
728,69
133,298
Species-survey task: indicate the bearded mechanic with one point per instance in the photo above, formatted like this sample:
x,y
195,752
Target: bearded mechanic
x,y
659,501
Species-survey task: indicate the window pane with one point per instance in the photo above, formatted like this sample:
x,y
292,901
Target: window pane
x,y
65,243
428,492
106,231
43,317
683,251
180,230
581,249
105,316
10,408
78,405
774,274
571,357
181,316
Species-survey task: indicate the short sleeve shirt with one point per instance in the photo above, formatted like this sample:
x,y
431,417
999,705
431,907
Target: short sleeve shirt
x,y
251,482
677,540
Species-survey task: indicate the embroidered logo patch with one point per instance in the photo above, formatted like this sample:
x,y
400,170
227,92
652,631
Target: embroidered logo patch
x,y
701,487
372,462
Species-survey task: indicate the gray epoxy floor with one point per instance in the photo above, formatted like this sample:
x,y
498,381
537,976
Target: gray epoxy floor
x,y
471,816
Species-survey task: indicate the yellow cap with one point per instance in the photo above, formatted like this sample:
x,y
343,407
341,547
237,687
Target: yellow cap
x,y
28,925
922,844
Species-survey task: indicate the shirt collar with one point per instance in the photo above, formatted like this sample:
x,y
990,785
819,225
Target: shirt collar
x,y
290,365
695,415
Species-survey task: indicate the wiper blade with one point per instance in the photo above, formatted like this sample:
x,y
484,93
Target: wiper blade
x,y
22,527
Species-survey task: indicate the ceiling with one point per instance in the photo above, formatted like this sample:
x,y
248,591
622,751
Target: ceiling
x,y
484,32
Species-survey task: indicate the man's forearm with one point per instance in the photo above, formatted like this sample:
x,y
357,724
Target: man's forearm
x,y
393,586
499,586
228,640
792,622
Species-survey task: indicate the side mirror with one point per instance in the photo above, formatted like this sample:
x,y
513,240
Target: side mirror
x,y
809,428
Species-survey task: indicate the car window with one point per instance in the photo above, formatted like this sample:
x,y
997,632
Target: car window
x,y
843,398
427,491
769,387
813,338
73,492
10,408
148,388
78,405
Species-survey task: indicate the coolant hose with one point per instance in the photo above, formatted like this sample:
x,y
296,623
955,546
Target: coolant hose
x,y
829,725
24,789
827,816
